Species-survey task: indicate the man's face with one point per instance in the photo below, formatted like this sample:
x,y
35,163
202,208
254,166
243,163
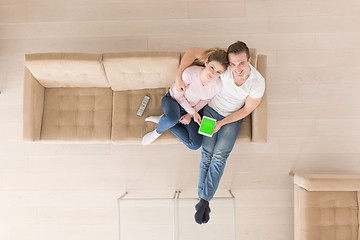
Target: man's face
x,y
239,64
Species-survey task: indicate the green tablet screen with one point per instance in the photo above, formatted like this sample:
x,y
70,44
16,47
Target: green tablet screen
x,y
207,126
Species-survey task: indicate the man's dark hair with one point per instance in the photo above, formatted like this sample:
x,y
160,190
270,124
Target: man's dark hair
x,y
239,47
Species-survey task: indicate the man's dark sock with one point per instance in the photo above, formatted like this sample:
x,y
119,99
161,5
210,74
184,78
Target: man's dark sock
x,y
200,209
206,216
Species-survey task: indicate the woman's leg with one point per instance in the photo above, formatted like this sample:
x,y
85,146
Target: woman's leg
x,y
171,109
170,118
188,134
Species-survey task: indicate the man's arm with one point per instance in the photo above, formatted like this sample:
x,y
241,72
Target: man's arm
x,y
190,55
250,105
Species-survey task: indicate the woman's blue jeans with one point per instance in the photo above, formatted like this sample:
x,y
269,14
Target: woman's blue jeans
x,y
215,151
188,134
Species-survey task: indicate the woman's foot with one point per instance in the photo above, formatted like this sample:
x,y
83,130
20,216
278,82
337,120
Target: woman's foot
x,y
150,137
154,119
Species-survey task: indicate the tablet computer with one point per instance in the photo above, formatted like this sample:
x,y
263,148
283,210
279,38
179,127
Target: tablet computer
x,y
207,126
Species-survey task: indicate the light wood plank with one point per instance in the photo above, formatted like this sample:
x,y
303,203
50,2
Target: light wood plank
x,y
262,215
19,47
77,215
338,127
330,93
264,198
320,144
57,232
51,30
319,58
282,93
217,9
5,231
18,215
305,8
314,24
313,111
347,40
291,127
184,27
314,75
71,199
266,231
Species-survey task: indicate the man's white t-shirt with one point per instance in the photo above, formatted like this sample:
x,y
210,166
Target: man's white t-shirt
x,y
232,98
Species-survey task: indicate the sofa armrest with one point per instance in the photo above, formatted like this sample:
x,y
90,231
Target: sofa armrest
x,y
328,182
33,106
259,119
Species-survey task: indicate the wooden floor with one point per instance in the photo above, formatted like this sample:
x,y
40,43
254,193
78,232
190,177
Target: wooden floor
x,y
57,191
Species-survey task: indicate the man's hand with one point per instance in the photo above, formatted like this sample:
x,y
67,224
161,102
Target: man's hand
x,y
218,125
185,119
197,118
180,85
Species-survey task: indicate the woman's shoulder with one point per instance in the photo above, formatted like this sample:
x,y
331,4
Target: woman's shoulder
x,y
193,69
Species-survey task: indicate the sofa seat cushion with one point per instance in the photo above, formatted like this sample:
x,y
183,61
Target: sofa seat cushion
x,y
130,128
77,114
327,215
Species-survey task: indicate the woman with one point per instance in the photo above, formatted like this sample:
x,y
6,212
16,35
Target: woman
x,y
181,108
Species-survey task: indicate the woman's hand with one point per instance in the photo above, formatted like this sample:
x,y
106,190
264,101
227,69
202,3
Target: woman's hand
x,y
180,85
218,125
197,118
185,119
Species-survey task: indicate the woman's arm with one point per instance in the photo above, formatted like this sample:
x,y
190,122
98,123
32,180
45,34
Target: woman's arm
x,y
250,105
190,55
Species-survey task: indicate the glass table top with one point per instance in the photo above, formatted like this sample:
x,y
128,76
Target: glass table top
x,y
173,218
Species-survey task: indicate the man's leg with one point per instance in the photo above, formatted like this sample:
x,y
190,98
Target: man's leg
x,y
225,142
208,145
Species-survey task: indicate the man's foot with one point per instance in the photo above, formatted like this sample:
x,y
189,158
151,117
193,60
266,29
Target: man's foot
x,y
200,210
150,137
154,119
206,216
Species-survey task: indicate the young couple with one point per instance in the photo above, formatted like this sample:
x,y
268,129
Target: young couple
x,y
230,88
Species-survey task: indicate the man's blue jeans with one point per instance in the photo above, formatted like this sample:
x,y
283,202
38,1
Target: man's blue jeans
x,y
215,151
188,134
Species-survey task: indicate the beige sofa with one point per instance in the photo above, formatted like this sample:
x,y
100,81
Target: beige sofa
x,y
77,97
326,206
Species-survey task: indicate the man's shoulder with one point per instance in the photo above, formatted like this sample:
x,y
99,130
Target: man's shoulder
x,y
256,75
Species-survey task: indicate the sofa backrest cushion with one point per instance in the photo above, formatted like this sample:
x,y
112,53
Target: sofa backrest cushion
x,y
141,70
253,55
55,70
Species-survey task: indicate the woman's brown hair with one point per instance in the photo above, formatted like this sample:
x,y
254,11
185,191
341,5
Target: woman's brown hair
x,y
213,54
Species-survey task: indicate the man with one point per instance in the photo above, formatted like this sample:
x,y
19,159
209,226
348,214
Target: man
x,y
243,88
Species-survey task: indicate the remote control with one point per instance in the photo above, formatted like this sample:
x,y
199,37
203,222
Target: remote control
x,y
143,106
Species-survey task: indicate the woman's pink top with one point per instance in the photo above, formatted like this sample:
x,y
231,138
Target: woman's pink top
x,y
196,96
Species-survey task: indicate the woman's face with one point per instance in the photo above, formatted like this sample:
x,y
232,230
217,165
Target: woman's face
x,y
239,64
213,70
